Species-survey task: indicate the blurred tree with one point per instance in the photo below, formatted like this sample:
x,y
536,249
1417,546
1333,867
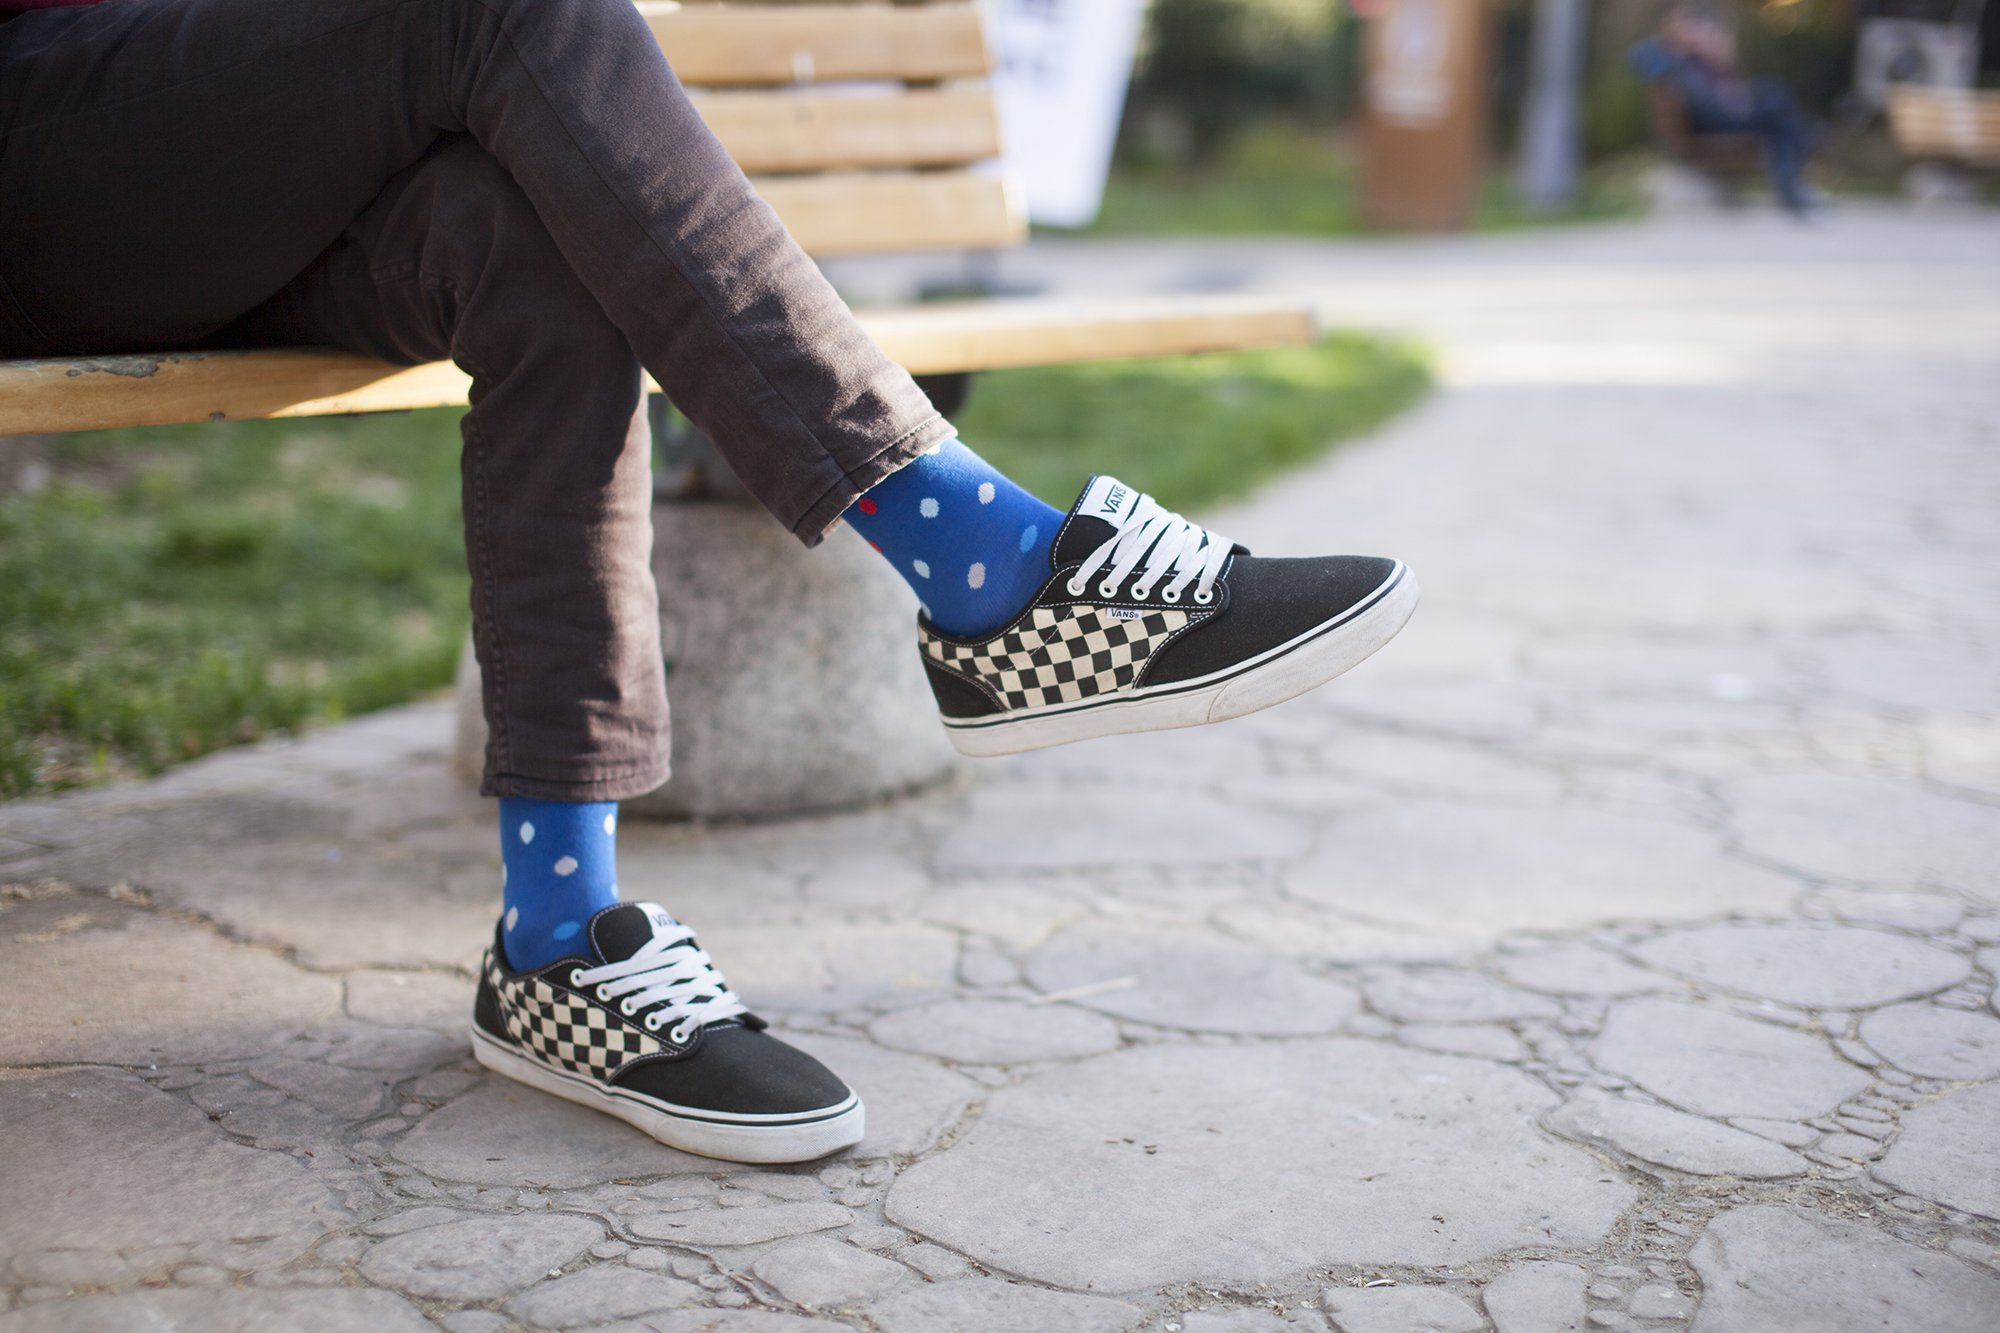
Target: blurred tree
x,y
1209,68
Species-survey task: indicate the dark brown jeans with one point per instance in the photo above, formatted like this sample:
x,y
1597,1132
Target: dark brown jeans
x,y
519,185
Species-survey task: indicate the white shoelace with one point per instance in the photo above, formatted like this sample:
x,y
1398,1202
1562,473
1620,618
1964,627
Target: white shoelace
x,y
671,971
1167,542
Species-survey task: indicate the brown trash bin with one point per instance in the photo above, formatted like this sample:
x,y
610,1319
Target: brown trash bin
x,y
1425,112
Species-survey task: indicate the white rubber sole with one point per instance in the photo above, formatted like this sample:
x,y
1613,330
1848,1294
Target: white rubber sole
x,y
746,1138
1282,673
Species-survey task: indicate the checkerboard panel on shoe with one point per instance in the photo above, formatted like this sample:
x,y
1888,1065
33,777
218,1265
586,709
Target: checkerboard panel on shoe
x,y
565,1028
1061,654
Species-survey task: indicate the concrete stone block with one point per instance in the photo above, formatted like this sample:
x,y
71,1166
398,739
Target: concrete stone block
x,y
793,674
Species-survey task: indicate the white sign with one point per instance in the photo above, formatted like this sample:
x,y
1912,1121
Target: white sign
x,y
1061,71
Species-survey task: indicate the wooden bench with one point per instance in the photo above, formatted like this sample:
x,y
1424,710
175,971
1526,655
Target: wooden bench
x,y
889,160
1727,156
1958,126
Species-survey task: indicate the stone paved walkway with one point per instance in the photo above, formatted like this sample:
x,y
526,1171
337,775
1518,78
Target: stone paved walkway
x,y
1616,950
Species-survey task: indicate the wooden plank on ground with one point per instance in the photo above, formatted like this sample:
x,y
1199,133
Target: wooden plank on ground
x,y
803,131
823,43
845,213
92,393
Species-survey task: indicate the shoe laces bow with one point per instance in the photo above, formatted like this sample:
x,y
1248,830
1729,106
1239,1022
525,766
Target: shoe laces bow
x,y
1167,543
671,976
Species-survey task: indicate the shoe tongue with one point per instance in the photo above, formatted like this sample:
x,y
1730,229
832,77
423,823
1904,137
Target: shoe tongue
x,y
1094,519
618,932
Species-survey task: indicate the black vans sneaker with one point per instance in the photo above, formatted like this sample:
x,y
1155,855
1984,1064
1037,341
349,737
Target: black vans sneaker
x,y
1149,621
645,1028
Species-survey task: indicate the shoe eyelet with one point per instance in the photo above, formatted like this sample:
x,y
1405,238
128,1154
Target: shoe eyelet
x,y
1107,589
576,977
604,993
1204,598
1140,594
1170,596
679,1037
1074,589
626,1008
652,1022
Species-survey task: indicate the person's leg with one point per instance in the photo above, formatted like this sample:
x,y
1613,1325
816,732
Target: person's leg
x,y
971,543
167,164
578,989
1788,136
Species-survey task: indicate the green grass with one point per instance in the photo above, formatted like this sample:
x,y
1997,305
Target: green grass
x,y
178,589
166,592
1191,431
1284,183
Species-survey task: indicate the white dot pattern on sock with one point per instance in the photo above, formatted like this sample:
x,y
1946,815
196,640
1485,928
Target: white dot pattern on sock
x,y
566,866
922,567
928,506
527,832
611,823
513,917
986,492
976,576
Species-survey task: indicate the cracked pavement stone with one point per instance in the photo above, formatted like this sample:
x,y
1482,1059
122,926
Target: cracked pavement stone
x,y
229,1204
1945,1152
1772,1267
1840,968
600,1295
1538,1297
1437,996
1269,1160
165,991
989,1305
910,1101
1398,1310
819,1272
433,1000
1721,1064
1875,829
1480,873
1936,1043
996,1032
739,1226
1670,1138
223,1311
479,1259
1183,977
1001,828
506,1134
1579,969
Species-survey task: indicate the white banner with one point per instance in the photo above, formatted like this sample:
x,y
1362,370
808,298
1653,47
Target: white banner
x,y
1061,70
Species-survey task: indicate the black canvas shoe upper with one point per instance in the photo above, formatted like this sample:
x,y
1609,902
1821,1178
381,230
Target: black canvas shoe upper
x,y
645,1010
1139,597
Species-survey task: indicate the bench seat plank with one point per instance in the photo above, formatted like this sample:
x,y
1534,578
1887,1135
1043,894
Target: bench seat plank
x,y
847,213
92,393
1961,123
808,131
807,43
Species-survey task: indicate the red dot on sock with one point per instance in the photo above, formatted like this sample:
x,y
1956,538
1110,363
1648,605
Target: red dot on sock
x,y
866,506
877,546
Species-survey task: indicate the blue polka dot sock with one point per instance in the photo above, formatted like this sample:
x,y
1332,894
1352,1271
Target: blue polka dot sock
x,y
558,864
973,544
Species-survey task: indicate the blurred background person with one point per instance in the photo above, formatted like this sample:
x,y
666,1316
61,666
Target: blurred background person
x,y
1695,54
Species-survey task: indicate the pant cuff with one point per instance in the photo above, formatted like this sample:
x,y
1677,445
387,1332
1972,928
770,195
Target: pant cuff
x,y
825,512
615,787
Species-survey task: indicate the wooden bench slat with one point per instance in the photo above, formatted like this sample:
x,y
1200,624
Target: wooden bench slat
x,y
818,43
1962,123
99,392
829,131
860,213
